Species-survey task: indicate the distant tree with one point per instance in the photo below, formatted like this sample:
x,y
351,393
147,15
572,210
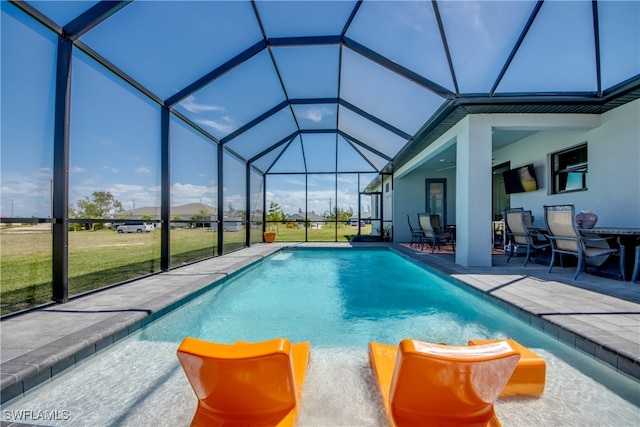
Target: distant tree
x,y
101,205
145,217
256,217
202,215
275,212
339,214
274,215
73,226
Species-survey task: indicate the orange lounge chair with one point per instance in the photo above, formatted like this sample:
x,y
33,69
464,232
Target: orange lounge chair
x,y
440,385
529,377
248,384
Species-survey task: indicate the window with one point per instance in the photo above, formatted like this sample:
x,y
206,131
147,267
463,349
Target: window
x,y
569,169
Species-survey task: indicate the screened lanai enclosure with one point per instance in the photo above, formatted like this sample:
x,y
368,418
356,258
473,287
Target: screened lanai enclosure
x,y
214,121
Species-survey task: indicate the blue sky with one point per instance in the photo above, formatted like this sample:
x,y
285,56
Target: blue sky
x,y
165,46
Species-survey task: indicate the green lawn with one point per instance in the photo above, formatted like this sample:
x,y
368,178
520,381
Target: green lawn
x,y
103,257
324,234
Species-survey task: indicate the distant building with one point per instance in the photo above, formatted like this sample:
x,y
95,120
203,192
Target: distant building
x,y
365,217
315,220
186,212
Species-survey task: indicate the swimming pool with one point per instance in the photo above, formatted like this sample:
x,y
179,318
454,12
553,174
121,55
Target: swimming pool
x,y
338,300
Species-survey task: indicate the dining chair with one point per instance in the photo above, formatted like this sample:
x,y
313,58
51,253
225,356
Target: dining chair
x,y
566,239
434,236
445,236
636,263
517,223
417,237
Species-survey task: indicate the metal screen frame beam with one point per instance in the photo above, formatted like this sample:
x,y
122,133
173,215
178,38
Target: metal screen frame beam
x,y
516,47
214,74
60,202
165,189
220,198
247,218
374,119
398,69
92,17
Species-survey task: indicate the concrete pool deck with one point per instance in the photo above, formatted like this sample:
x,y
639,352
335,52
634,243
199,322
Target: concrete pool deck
x,y
600,317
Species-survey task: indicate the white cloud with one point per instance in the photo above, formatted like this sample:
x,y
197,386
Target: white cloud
x,y
316,114
191,105
103,141
76,169
225,127
122,189
110,169
89,182
142,170
181,194
131,195
25,187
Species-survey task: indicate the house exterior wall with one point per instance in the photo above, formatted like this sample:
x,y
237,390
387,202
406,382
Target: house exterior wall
x,y
613,150
387,199
409,197
613,191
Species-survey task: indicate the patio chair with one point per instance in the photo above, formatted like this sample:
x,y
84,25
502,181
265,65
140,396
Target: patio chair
x,y
517,222
417,237
443,235
566,239
636,263
433,384
433,232
245,383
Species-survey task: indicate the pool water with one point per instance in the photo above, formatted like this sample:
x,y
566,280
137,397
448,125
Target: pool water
x,y
339,300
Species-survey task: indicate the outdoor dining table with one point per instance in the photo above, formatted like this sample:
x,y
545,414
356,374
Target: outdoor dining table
x,y
628,238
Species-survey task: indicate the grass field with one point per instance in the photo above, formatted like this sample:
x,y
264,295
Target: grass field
x,y
103,257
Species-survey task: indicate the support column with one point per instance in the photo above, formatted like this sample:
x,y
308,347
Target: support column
x,y
473,194
60,203
165,189
220,218
247,206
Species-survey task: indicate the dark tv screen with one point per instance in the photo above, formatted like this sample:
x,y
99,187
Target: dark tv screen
x,y
520,180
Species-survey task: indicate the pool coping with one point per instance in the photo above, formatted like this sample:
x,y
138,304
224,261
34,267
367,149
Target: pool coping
x,y
624,359
43,363
112,323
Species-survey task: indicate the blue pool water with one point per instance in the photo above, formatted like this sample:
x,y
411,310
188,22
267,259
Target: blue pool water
x,y
342,298
339,300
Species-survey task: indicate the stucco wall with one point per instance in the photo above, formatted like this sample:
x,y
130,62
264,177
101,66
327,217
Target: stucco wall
x,y
409,198
614,168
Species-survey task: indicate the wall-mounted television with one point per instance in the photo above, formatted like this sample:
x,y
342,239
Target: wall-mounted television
x,y
520,180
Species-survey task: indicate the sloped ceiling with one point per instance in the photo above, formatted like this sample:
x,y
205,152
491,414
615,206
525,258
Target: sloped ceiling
x,y
333,86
